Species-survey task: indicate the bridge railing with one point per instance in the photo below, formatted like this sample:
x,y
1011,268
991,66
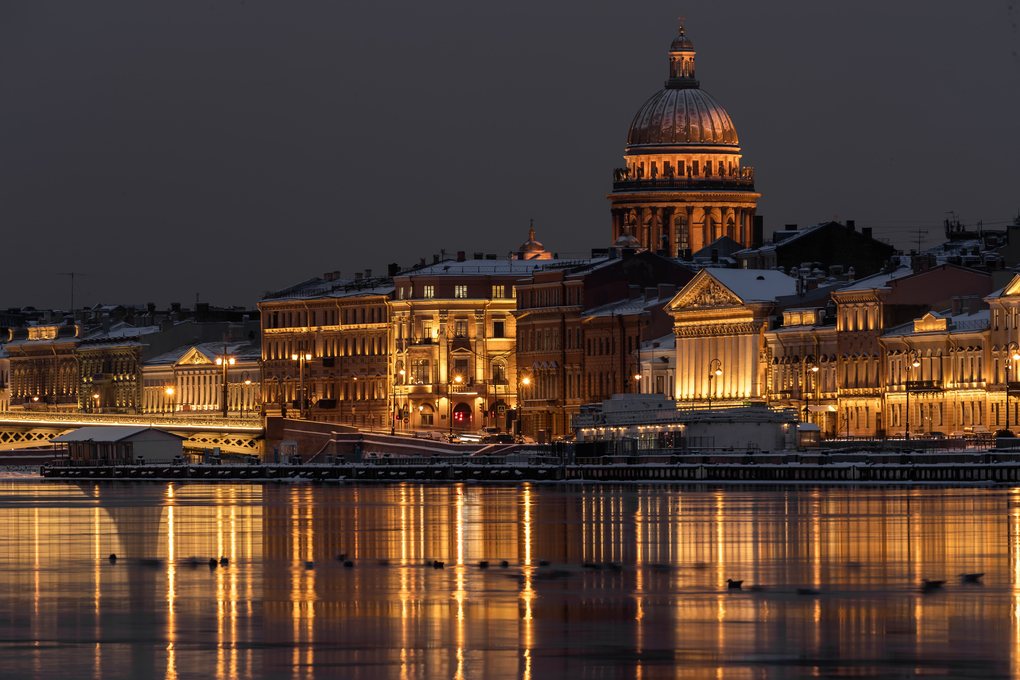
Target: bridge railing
x,y
148,420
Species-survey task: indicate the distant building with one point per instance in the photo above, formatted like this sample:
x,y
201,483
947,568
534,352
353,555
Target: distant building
x,y
683,186
189,379
121,445
832,248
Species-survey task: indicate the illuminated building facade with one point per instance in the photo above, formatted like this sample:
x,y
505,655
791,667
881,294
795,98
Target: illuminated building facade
x,y
189,379
578,327
454,342
329,337
683,186
43,367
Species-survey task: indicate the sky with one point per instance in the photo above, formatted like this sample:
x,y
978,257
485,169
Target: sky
x,y
225,149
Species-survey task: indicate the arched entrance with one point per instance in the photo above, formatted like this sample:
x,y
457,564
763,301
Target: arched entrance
x,y
462,415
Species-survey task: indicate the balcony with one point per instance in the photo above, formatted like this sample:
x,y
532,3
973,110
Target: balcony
x,y
685,184
924,386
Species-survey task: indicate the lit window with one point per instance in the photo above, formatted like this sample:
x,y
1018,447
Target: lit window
x,y
400,293
513,292
460,328
428,291
498,292
459,292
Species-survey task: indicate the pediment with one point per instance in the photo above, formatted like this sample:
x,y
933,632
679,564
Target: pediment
x,y
1012,288
193,357
704,291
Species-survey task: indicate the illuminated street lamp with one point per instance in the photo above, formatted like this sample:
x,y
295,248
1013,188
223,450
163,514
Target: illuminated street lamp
x,y
1014,354
714,371
226,361
301,357
912,363
393,398
95,402
449,404
812,367
525,381
170,395
247,385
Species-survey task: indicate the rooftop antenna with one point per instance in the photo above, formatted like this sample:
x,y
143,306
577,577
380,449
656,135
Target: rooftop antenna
x,y
72,275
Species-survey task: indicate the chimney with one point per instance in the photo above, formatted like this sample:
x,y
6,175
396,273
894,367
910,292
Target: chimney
x,y
106,322
175,307
392,269
850,225
667,291
422,264
479,256
357,276
633,292
328,276
368,273
336,274
460,256
651,293
715,255
435,259
977,303
851,275
758,231
957,305
151,307
866,231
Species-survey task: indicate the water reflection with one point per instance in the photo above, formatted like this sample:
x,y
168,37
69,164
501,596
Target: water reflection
x,y
283,605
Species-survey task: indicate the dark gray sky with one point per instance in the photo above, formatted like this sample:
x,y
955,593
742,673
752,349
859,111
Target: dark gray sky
x,y
229,148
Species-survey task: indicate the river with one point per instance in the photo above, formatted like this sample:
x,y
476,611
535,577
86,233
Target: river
x,y
664,610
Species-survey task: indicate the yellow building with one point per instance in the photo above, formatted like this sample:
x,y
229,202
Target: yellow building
x,y
683,186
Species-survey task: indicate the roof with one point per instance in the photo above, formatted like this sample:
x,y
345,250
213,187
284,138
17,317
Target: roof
x,y
338,288
756,285
106,434
880,280
242,351
504,267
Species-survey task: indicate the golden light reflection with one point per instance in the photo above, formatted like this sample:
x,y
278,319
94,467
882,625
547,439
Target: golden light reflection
x,y
171,594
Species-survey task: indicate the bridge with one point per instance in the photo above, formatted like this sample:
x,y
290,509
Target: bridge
x,y
231,435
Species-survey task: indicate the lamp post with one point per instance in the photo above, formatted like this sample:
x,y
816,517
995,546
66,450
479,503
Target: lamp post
x,y
525,381
226,361
811,367
912,363
449,404
714,371
247,385
95,402
169,390
301,357
637,379
393,398
1014,354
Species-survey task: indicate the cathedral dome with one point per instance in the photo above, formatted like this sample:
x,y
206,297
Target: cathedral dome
x,y
682,116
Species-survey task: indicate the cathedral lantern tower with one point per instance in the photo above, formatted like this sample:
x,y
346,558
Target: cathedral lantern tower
x,y
683,186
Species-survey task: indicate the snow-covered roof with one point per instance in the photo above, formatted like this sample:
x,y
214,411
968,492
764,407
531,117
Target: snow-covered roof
x,y
960,323
339,288
756,285
505,267
106,433
880,280
622,307
242,351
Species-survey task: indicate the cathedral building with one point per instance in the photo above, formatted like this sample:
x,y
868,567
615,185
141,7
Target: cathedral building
x,y
683,185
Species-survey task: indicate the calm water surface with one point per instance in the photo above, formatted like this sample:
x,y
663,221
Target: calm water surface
x,y
67,612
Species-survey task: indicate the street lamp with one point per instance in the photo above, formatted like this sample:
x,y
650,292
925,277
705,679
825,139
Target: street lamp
x,y
95,402
525,381
1014,353
913,362
637,380
449,405
247,385
811,366
714,371
301,357
170,395
226,361
393,398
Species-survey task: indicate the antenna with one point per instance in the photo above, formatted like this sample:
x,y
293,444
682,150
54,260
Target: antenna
x,y
72,275
920,233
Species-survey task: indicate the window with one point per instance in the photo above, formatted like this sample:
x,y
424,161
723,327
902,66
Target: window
x,y
459,291
513,291
460,328
460,367
420,371
498,292
426,330
498,374
400,293
428,291
696,169
498,329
